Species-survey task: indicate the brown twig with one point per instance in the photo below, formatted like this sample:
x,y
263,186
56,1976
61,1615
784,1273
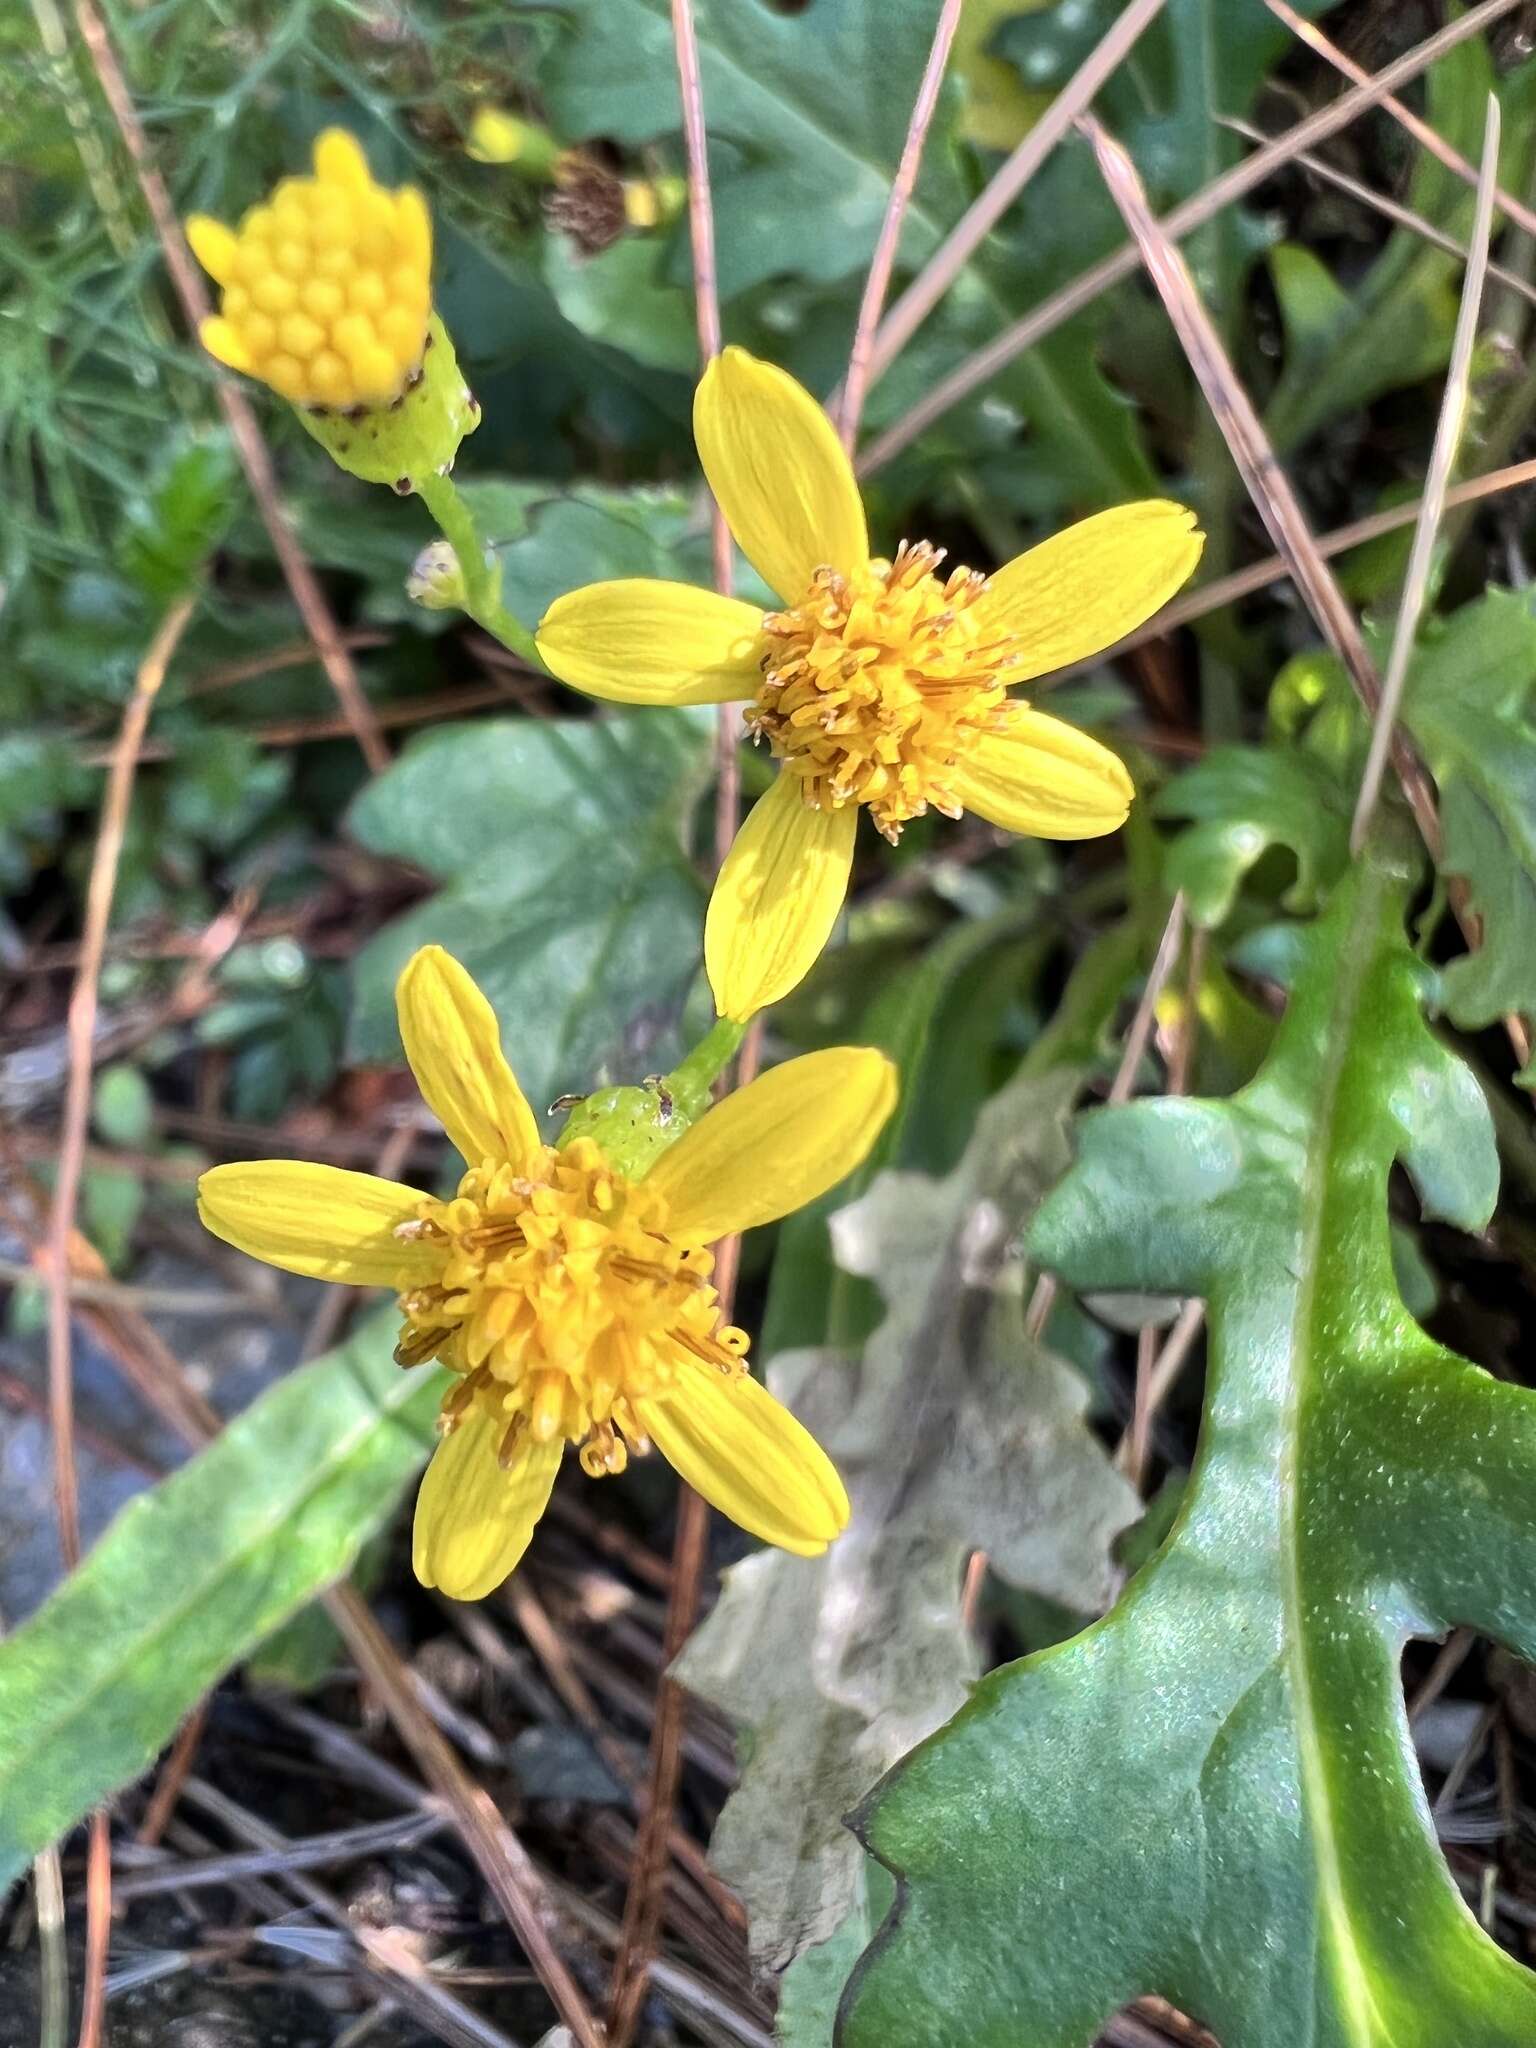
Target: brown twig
x,y
173,1775
645,1900
1267,482
1212,597
1453,411
100,889
502,1860
255,458
988,208
883,261
1419,129
1193,213
1391,209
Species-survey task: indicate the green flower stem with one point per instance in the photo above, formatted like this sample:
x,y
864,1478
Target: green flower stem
x,y
692,1078
479,567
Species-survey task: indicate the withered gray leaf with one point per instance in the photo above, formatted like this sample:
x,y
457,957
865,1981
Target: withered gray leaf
x,y
954,1433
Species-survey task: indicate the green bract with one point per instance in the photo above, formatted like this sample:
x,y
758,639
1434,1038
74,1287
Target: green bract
x,y
416,437
1212,1794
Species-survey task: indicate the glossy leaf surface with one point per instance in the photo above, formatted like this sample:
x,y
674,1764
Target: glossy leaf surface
x,y
1212,1794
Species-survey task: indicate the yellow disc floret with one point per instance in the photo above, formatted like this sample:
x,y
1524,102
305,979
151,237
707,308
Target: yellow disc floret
x,y
326,287
561,1301
874,684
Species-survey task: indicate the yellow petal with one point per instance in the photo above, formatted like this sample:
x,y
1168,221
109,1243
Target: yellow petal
x,y
779,473
776,898
473,1520
1084,589
318,1220
339,160
783,1140
453,1043
638,641
1043,778
214,246
223,343
743,1450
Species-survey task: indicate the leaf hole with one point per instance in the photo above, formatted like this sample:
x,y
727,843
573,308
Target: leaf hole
x,y
1471,1709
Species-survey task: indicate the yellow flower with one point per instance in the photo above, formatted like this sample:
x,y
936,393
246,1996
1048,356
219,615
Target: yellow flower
x,y
571,1304
326,287
881,683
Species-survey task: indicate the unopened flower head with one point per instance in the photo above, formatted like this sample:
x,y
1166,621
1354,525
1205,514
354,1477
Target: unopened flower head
x,y
882,683
326,286
573,1302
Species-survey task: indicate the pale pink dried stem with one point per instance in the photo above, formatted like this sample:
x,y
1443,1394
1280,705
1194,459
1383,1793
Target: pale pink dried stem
x,y
1404,115
1193,213
878,282
989,206
645,1900
1448,430
81,1027
1380,203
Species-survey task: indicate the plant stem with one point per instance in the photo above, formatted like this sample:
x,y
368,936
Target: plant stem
x,y
690,1081
478,566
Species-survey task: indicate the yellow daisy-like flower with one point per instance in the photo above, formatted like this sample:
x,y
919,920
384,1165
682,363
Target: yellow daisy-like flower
x,y
881,683
572,1304
326,287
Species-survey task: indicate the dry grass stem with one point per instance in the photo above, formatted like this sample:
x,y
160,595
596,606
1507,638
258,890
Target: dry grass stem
x,y
1308,33
988,208
1193,213
1390,209
1448,430
1267,482
883,261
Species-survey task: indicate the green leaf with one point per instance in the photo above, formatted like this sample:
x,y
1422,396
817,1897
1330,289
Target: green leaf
x,y
168,535
808,110
953,1432
1469,707
1244,801
565,887
1393,327
195,1572
1212,1794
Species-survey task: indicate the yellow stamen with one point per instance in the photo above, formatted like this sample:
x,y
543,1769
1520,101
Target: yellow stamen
x,y
874,684
563,1301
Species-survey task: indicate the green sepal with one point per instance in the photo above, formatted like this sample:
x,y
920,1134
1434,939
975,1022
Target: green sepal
x,y
633,1126
417,436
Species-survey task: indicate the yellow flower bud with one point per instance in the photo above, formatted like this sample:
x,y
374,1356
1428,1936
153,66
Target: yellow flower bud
x,y
327,287
326,296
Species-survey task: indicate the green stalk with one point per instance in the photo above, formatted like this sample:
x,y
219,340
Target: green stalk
x,y
477,565
692,1078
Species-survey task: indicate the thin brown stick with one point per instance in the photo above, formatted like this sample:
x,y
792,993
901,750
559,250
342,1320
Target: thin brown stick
x,y
1404,115
988,208
1391,209
645,1899
81,1028
1267,482
1193,213
883,261
255,457
77,1096
174,1775
1448,428
502,1860
1213,597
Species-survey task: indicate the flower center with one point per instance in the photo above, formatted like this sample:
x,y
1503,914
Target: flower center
x,y
561,1302
873,685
